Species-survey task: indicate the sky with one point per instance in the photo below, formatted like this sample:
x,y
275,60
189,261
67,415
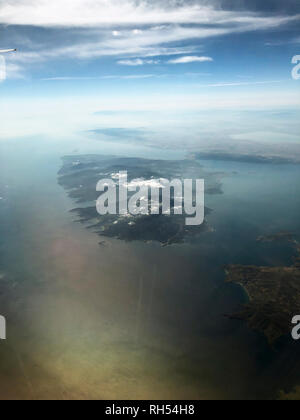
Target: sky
x,y
77,59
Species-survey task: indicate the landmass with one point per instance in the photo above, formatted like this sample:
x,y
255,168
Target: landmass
x,y
80,175
290,396
277,237
273,292
246,158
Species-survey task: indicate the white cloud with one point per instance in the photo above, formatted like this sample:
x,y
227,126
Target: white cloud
x,y
131,30
150,42
137,32
130,76
190,59
123,77
137,62
91,13
233,84
280,43
68,78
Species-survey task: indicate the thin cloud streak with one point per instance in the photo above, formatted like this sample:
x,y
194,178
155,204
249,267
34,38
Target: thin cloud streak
x,y
107,77
232,84
137,62
190,59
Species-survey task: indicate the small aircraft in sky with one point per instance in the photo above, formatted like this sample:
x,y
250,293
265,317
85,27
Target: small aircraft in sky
x,y
7,51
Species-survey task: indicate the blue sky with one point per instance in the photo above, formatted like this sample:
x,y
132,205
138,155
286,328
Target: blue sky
x,y
145,55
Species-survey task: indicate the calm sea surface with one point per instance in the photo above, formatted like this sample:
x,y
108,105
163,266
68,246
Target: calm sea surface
x,y
135,320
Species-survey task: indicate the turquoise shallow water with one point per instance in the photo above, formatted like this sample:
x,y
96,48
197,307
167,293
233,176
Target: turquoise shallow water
x,y
135,320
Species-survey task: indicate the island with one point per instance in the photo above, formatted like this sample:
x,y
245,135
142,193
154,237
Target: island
x,y
79,176
273,294
278,237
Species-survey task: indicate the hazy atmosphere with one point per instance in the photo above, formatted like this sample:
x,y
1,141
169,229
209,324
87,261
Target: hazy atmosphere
x,y
143,307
